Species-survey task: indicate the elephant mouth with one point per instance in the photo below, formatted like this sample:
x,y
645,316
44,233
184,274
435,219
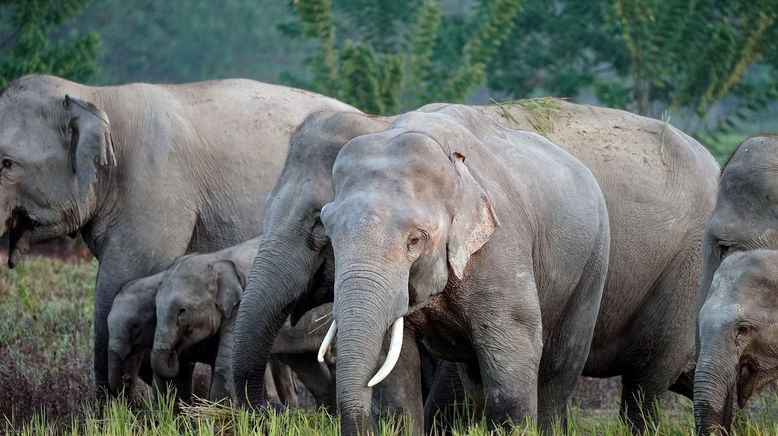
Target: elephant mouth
x,y
18,225
746,382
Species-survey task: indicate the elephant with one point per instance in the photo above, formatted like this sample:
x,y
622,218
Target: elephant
x,y
493,244
441,141
659,186
145,317
195,306
744,220
738,350
144,172
131,327
131,324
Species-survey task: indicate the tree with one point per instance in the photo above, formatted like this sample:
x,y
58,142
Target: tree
x,y
686,56
33,41
192,40
400,54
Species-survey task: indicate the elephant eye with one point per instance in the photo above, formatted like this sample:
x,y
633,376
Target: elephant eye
x,y
182,311
7,163
415,241
744,329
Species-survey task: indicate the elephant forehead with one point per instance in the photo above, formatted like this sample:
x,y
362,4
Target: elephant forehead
x,y
410,165
29,130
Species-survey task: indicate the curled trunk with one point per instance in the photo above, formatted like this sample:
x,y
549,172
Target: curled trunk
x,y
165,362
714,390
278,278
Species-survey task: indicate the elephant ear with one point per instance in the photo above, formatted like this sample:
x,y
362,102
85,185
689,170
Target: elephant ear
x,y
230,282
474,219
91,140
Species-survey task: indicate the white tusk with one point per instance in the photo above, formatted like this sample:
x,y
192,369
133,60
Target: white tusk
x,y
395,345
325,344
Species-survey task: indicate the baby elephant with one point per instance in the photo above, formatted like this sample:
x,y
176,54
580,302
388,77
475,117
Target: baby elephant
x,y
195,304
131,324
738,341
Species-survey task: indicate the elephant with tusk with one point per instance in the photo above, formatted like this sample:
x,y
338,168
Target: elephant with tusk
x,y
647,170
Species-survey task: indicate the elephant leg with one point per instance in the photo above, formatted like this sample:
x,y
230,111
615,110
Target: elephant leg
x,y
315,376
145,372
270,386
662,351
566,351
128,255
399,396
221,378
507,337
284,381
183,383
445,403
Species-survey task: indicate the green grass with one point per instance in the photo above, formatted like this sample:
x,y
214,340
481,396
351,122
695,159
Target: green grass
x,y
46,384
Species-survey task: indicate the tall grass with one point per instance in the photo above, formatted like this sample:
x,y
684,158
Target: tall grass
x,y
46,384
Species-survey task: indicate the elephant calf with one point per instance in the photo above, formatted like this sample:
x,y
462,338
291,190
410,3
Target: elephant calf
x,y
131,325
195,304
183,315
734,343
738,345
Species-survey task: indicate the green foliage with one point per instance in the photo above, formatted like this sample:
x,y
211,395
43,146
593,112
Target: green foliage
x,y
33,41
689,56
399,50
186,41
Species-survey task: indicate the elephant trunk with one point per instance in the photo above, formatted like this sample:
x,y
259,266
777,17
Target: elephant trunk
x,y
279,276
714,387
164,357
115,371
366,304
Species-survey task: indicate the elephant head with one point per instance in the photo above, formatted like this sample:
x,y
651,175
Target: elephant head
x,y
738,343
407,211
196,296
131,325
744,217
52,146
294,257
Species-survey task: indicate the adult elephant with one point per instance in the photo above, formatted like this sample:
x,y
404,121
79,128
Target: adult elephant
x,y
144,172
492,242
744,220
659,186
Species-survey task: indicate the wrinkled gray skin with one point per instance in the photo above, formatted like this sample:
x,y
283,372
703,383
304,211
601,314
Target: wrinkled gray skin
x,y
131,327
144,172
492,242
738,344
298,348
745,219
131,324
196,302
660,188
293,270
645,330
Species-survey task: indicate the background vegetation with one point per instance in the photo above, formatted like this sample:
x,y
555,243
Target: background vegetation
x,y
709,66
